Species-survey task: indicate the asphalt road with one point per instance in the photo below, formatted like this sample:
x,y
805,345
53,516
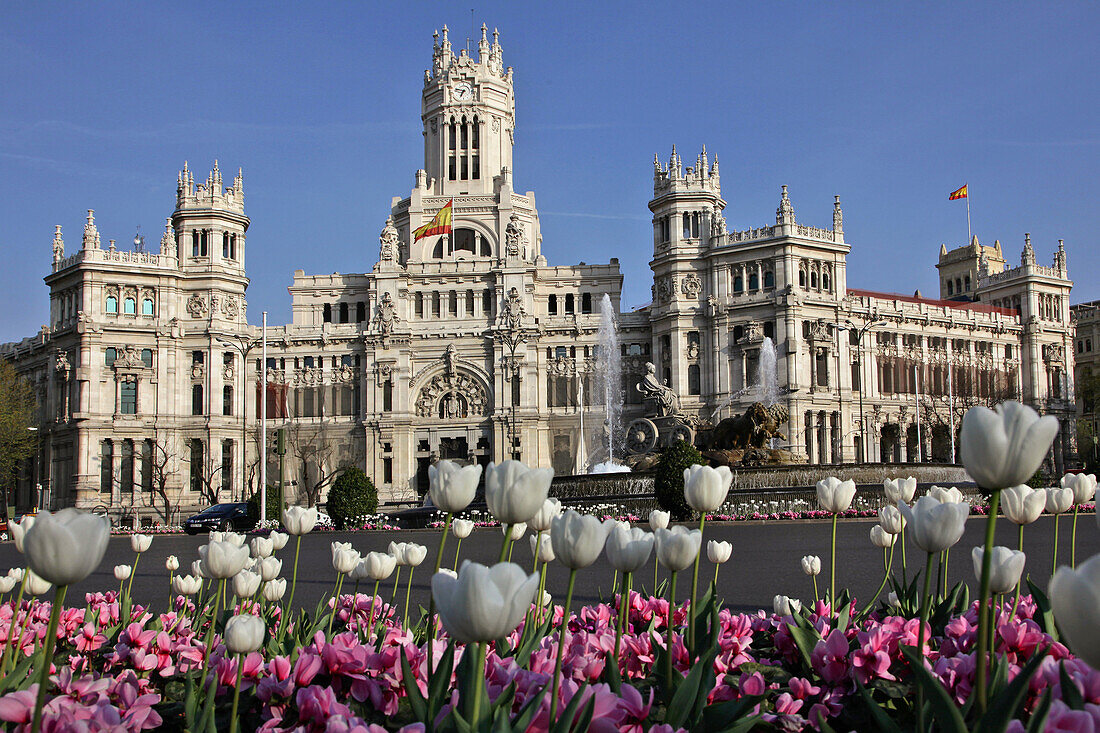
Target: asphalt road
x,y
765,560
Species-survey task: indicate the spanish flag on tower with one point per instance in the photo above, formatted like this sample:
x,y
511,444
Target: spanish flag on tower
x,y
440,224
959,194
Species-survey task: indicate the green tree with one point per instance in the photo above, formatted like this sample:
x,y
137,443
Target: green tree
x,y
352,495
668,483
274,504
18,441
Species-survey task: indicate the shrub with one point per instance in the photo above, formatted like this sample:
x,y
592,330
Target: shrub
x,y
274,505
352,495
669,480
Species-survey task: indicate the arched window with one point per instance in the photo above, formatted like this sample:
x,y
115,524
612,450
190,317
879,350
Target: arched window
x,y
569,309
109,356
754,281
813,279
452,303
112,304
227,400
769,279
147,307
225,245
958,285
326,313
552,305
738,284
360,312
826,282
196,400
129,306
586,302
950,288
966,283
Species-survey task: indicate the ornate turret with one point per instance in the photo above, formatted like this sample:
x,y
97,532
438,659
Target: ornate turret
x,y
168,239
1060,258
675,178
91,234
211,194
785,213
1027,257
58,244
838,216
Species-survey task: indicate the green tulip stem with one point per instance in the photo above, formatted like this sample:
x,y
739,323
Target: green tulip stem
x,y
542,589
294,577
887,565
668,633
120,584
1020,582
624,605
983,600
396,580
614,581
504,545
695,589
335,603
538,544
1054,567
17,649
133,572
479,685
1073,541
832,567
171,579
655,564
373,599
814,577
904,564
443,541
236,694
714,583
11,629
408,592
925,608
946,568
459,547
51,638
561,646
511,546
431,598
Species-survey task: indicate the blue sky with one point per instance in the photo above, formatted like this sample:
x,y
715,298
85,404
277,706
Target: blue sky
x,y
889,105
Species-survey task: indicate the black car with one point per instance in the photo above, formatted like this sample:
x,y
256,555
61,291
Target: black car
x,y
220,517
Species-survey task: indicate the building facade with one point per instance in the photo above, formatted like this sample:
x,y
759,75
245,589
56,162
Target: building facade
x,y
472,345
1086,321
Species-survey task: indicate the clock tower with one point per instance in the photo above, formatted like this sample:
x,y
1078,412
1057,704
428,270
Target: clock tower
x,y
469,116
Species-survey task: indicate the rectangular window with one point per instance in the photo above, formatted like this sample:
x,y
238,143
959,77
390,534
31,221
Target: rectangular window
x,y
128,398
196,464
147,465
387,396
227,400
227,464
197,357
197,406
387,470
126,468
106,466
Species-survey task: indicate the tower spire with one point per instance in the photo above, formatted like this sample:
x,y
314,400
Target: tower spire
x,y
785,213
58,244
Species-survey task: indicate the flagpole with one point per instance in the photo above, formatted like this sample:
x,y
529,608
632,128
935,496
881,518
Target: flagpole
x,y
968,234
263,423
951,406
916,405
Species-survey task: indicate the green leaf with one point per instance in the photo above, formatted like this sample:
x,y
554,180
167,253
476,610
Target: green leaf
x,y
527,713
20,673
944,709
439,681
1038,722
611,673
724,717
943,612
805,638
844,617
585,718
416,700
882,720
682,707
1004,707
564,724
1045,617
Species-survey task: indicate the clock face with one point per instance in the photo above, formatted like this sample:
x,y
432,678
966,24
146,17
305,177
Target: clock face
x,y
463,92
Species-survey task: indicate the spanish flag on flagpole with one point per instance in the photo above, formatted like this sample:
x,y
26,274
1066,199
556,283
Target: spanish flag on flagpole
x,y
440,224
959,194
962,193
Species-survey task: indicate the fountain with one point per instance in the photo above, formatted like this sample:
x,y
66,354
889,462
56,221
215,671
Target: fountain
x,y
767,373
609,367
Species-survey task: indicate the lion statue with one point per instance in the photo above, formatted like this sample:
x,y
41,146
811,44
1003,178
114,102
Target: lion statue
x,y
754,429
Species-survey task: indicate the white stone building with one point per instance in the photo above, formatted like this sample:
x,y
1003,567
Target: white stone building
x,y
473,346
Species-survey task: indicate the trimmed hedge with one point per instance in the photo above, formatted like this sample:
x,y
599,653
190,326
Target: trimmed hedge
x,y
274,505
668,482
352,495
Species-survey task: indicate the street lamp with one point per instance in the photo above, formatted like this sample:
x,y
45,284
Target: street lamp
x,y
860,332
243,345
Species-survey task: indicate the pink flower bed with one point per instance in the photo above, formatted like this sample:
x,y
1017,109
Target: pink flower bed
x,y
121,674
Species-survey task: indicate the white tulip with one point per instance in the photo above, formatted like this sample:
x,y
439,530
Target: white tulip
x,y
461,528
344,559
719,552
514,531
1074,597
881,538
892,599
67,546
1023,504
577,539
269,568
811,565
140,542
947,496
933,526
678,547
452,487
274,590
891,520
198,570
1058,501
483,604
835,495
1083,485
546,598
542,546
278,540
545,515
7,584
397,550
899,489
17,573
379,565
1005,567
262,547
234,538
19,530
246,583
222,559
123,572
299,520
415,554
628,549
1004,447
172,563
659,520
186,585
37,585
785,606
244,634
515,493
705,488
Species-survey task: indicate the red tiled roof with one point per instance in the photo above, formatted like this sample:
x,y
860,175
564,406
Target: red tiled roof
x,y
961,305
